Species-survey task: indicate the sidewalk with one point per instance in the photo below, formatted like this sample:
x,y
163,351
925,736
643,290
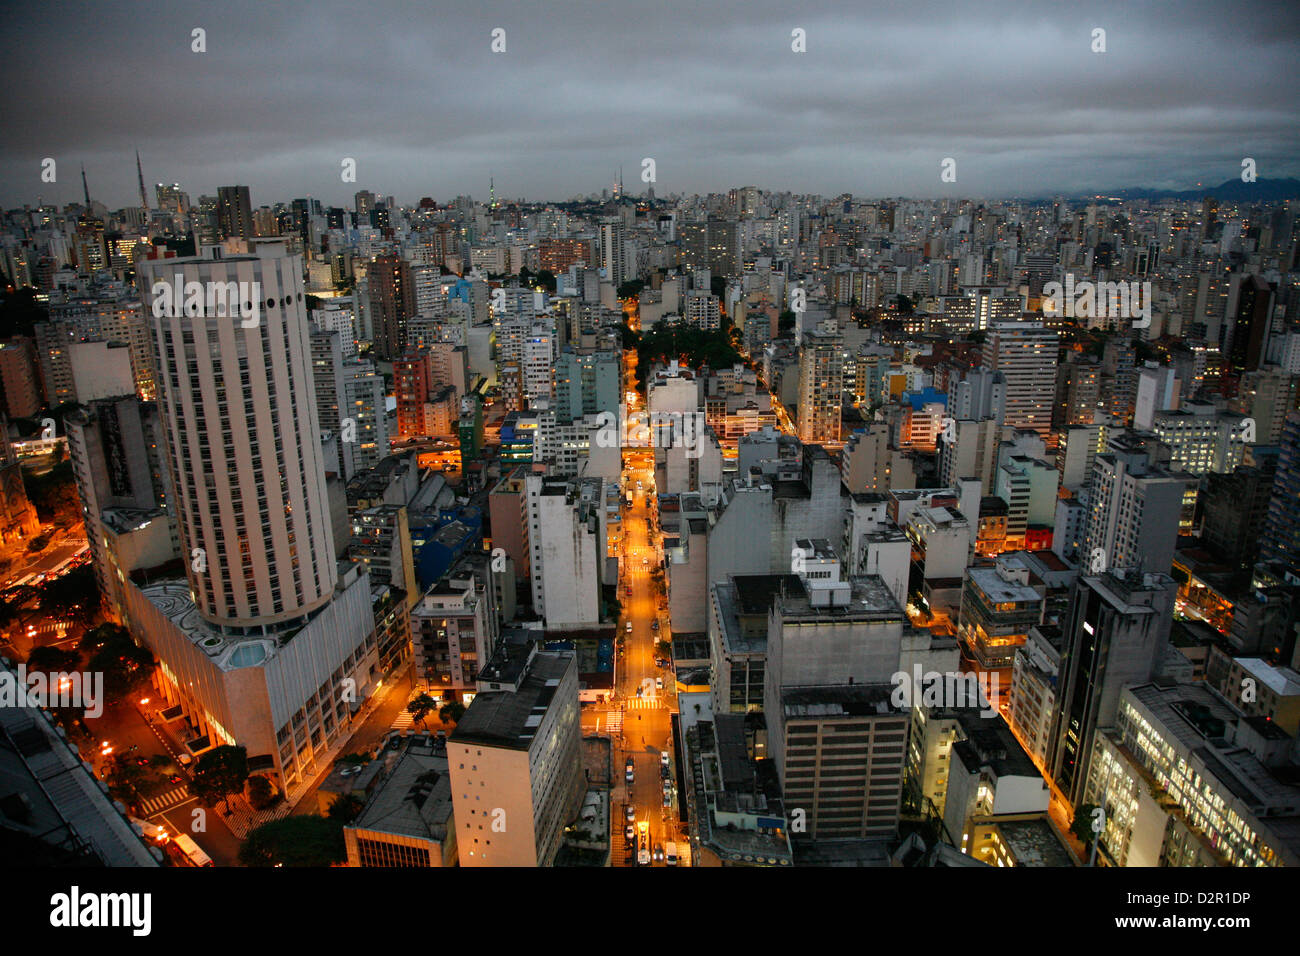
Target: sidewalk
x,y
243,819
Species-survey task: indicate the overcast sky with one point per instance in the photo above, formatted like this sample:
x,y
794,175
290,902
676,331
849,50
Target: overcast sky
x,y
712,91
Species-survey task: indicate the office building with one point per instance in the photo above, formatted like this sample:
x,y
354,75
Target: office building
x,y
1115,633
515,759
1025,353
234,212
821,386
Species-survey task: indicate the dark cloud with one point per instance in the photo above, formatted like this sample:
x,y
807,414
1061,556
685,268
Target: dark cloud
x,y
711,91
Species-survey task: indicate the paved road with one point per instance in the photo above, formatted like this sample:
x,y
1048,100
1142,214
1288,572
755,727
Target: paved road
x,y
647,726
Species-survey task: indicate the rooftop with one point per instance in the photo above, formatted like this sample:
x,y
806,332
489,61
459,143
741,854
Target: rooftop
x,y
510,718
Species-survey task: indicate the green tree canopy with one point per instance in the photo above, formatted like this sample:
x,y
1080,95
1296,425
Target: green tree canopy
x,y
52,659
72,595
421,706
295,841
219,773
345,808
631,289
125,664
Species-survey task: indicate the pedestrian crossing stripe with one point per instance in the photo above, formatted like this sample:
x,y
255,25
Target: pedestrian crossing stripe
x,y
155,805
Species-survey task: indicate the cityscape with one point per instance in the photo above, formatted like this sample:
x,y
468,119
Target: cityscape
x,y
648,522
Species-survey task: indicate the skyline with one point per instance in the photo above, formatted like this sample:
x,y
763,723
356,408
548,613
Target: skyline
x,y
872,107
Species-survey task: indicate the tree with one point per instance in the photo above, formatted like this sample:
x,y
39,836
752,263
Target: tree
x,y
295,841
345,808
8,612
98,637
54,493
72,595
451,713
631,289
261,792
220,773
123,777
52,659
421,706
124,664
1082,825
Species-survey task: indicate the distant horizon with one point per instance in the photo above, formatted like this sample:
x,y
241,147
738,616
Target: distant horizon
x,y
348,201
1029,100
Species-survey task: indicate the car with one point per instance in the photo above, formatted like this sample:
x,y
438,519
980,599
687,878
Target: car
x,y
630,814
629,832
659,683
668,799
659,852
629,627
663,757
654,625
153,831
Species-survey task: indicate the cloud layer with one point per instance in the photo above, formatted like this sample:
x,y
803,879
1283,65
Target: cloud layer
x,y
712,91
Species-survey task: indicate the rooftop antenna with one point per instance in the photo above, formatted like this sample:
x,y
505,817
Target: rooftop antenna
x,y
84,188
139,172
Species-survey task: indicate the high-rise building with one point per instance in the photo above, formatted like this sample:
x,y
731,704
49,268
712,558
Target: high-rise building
x,y
515,759
1246,337
392,303
587,383
172,200
116,447
327,375
1234,509
268,641
234,212
833,648
821,386
1280,540
566,538
612,251
1025,354
1134,509
250,489
1115,632
365,405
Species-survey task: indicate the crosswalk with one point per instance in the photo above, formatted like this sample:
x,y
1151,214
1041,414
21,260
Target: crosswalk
x,y
404,721
156,805
644,703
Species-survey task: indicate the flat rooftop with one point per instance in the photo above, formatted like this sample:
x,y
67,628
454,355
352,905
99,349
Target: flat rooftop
x,y
510,718
414,799
839,700
870,599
